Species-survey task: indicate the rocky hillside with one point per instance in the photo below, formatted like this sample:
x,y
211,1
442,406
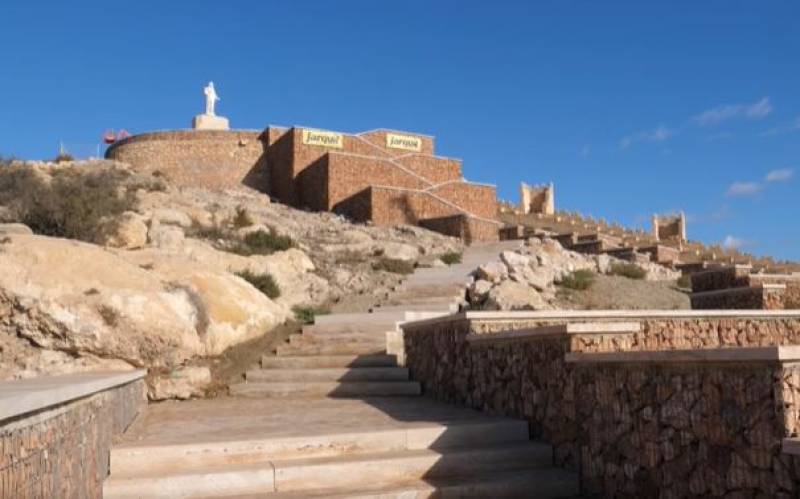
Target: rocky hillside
x,y
104,268
544,276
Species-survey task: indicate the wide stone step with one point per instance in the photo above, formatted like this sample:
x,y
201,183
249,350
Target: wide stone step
x,y
421,295
444,308
360,339
548,483
337,329
401,466
372,319
329,374
312,476
326,361
224,481
331,348
347,389
345,336
144,460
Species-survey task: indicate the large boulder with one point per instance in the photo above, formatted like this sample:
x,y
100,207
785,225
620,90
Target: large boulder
x,y
166,237
229,309
128,231
398,251
74,297
182,383
511,295
172,216
514,259
14,228
479,290
292,269
492,271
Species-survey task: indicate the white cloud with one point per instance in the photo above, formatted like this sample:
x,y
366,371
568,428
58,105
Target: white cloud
x,y
744,189
732,242
660,134
781,175
792,127
719,114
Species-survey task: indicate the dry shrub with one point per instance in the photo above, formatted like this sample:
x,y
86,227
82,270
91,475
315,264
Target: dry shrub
x,y
262,243
74,203
262,282
629,270
579,280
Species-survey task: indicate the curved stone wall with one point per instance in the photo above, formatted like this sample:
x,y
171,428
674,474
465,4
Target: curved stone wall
x,y
214,159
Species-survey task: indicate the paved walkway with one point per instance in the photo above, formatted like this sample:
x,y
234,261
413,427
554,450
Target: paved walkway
x,y
332,414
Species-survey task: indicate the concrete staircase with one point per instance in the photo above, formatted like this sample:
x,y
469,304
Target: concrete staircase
x,y
365,431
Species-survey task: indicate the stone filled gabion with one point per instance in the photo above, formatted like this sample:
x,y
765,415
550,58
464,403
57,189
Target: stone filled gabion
x,y
631,430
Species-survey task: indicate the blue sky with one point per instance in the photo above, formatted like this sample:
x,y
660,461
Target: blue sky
x,y
630,107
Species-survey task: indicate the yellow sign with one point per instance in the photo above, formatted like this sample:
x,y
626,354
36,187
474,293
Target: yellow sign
x,y
406,142
323,138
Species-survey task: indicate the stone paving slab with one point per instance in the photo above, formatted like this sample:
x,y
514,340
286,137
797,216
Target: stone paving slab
x,y
232,418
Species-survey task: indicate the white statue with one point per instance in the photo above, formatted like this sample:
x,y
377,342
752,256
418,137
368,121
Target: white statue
x,y
211,98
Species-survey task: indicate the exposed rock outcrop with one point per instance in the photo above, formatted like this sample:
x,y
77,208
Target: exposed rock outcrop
x,y
158,283
78,298
528,278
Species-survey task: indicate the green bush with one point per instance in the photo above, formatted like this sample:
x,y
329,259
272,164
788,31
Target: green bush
x,y
394,266
629,270
262,282
262,243
306,314
685,281
63,157
74,203
579,280
451,257
242,218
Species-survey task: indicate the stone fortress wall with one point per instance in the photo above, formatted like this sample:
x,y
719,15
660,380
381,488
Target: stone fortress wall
x,y
670,228
537,199
666,242
213,159
383,176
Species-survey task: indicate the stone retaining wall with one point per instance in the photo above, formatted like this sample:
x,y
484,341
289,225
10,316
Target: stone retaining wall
x,y
61,449
505,363
213,159
735,287
720,278
656,429
768,297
